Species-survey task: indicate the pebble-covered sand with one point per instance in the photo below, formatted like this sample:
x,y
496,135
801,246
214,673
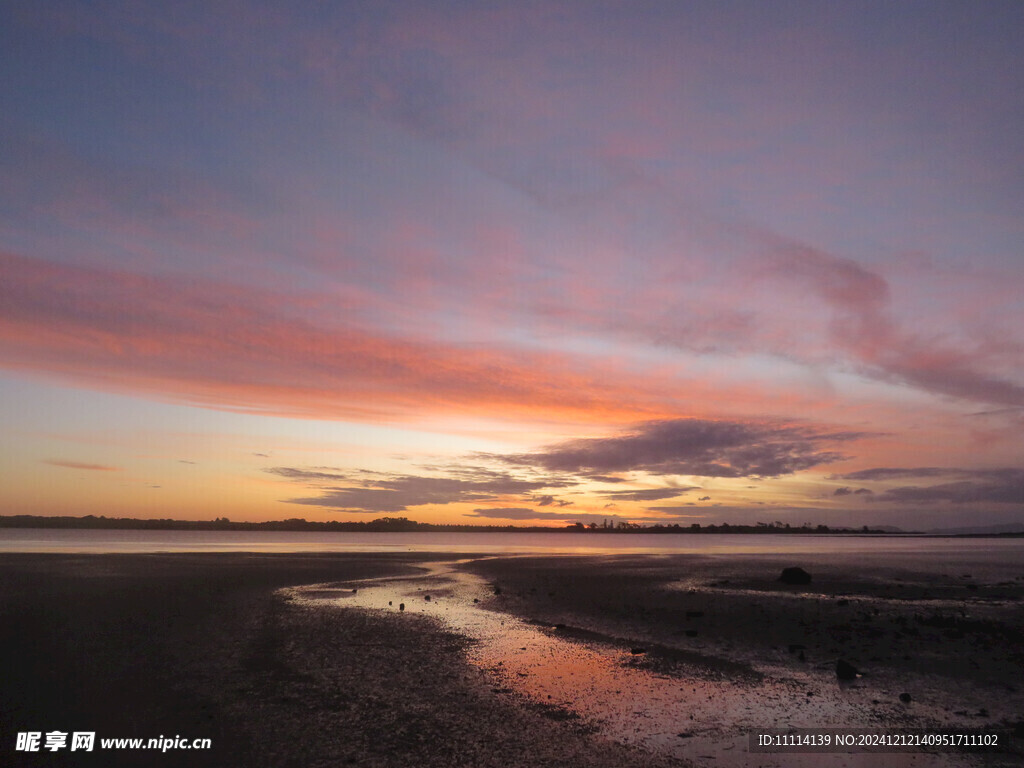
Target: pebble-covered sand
x,y
201,646
424,660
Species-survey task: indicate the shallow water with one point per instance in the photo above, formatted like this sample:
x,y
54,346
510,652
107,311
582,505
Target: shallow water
x,y
138,541
689,710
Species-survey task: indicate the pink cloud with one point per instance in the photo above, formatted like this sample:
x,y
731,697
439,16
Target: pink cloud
x,y
223,346
79,465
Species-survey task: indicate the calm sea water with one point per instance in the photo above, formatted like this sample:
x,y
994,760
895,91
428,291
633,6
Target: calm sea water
x,y
95,541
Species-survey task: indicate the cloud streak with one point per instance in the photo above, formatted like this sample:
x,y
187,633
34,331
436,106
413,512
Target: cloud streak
x,y
79,465
648,494
995,486
396,493
244,349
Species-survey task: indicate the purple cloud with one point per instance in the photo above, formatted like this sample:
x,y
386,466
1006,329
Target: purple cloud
x,y
692,447
649,494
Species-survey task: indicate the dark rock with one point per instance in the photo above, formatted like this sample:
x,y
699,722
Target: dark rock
x,y
389,602
638,651
354,591
497,589
795,575
401,606
906,698
845,670
427,598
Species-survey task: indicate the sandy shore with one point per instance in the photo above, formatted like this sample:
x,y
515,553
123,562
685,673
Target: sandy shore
x,y
206,646
200,646
938,646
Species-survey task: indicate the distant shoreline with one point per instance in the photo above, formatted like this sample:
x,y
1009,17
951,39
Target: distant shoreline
x,y
403,525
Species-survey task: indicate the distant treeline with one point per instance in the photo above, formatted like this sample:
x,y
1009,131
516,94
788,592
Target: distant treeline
x,y
399,525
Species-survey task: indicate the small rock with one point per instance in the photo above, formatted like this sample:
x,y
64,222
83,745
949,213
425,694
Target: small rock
x,y
401,606
427,598
845,670
906,698
497,589
389,602
795,575
638,651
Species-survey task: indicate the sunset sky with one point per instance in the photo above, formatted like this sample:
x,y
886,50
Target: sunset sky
x,y
492,262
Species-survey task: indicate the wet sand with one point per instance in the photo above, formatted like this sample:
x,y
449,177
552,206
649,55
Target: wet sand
x,y
756,652
222,646
202,646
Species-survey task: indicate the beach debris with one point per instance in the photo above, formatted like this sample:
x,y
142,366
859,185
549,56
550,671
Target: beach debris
x,y
845,670
401,606
906,698
795,575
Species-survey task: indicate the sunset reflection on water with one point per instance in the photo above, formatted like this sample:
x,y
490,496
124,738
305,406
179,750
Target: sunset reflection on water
x,y
629,694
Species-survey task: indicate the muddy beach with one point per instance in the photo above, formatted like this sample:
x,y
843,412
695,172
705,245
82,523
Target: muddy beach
x,y
201,646
428,660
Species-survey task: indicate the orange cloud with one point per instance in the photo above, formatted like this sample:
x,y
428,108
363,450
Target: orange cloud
x,y
79,465
222,346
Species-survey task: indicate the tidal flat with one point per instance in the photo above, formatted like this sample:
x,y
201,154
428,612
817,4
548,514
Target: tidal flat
x,y
427,659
